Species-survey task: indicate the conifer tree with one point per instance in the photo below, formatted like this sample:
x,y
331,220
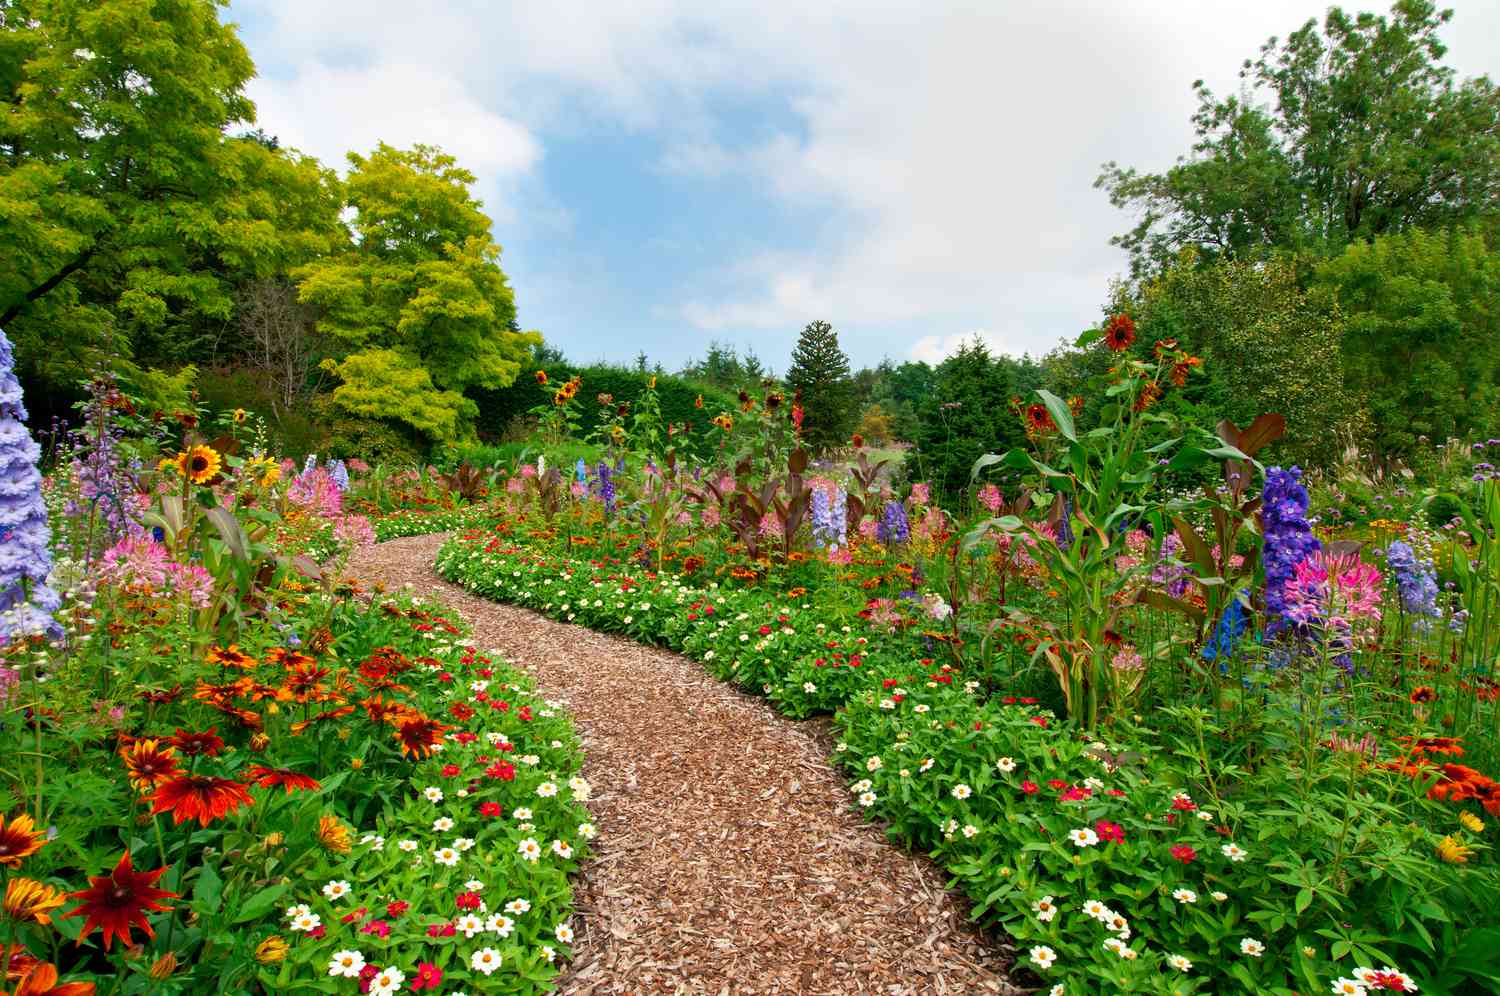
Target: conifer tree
x,y
820,375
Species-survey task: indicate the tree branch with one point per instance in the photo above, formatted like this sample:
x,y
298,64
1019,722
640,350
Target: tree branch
x,y
76,264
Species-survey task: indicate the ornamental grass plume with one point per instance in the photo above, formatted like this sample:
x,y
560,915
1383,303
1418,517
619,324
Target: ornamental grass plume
x,y
26,602
1289,540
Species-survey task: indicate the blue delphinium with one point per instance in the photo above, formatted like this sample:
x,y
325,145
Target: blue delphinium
x,y
581,471
1416,579
830,514
606,487
310,464
26,603
1233,622
893,527
1065,525
1288,539
339,474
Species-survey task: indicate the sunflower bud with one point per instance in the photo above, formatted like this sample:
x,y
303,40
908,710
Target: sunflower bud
x,y
164,967
271,950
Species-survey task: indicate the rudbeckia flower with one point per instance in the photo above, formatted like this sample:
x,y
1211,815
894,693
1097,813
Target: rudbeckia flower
x,y
119,901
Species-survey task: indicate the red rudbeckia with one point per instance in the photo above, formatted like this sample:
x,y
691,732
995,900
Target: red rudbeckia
x,y
118,901
199,797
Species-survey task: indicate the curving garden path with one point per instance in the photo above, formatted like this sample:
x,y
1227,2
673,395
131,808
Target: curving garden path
x,y
728,859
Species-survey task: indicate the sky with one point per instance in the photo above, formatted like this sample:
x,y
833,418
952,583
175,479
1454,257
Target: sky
x,y
664,173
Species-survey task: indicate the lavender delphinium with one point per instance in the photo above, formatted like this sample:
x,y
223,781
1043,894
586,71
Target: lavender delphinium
x,y
1288,539
339,474
1416,579
606,488
26,602
830,513
103,483
893,527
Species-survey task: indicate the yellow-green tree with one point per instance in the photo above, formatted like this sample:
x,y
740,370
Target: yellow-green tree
x,y
418,303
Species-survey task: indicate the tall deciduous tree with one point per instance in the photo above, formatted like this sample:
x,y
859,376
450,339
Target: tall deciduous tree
x,y
1361,131
127,212
820,374
418,303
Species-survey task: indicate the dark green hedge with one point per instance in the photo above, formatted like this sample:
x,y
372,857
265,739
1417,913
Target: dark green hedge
x,y
498,408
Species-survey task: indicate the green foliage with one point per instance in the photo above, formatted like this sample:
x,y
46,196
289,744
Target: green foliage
x,y
373,440
127,213
819,377
968,413
1363,131
723,367
1422,334
418,299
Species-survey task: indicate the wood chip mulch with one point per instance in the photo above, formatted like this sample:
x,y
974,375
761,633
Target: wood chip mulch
x,y
730,859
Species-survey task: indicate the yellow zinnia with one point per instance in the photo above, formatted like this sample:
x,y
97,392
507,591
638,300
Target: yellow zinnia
x,y
333,835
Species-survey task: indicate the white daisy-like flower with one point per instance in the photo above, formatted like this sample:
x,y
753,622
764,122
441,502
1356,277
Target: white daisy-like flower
x,y
442,824
523,813
962,791
1234,852
863,785
1006,765
307,922
433,793
1349,987
562,849
587,831
1185,895
564,933
474,885
517,906
1042,956
1250,946
346,964
970,830
1083,837
1095,909
1219,897
529,849
867,799
1115,945
463,843
546,790
1179,962
387,983
580,787
485,960
548,953
1059,989
1044,909
468,925
301,909
873,764
920,707
926,765
499,924
1205,816
407,845
335,890
445,856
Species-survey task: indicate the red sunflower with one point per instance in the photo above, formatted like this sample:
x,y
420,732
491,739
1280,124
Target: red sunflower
x,y
200,797
118,901
292,781
1039,420
1119,333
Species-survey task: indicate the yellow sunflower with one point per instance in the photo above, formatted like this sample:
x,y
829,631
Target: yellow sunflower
x,y
240,415
201,464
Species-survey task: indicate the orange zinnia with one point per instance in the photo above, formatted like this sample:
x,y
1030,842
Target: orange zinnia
x,y
200,797
18,839
118,901
148,764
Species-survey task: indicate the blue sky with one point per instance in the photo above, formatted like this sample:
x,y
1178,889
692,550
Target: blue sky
x,y
663,173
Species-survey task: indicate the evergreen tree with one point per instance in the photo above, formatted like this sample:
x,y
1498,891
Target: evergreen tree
x,y
820,375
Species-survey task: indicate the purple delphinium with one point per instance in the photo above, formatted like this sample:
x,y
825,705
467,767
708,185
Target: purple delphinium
x,y
103,482
1288,539
340,475
830,513
606,487
893,527
1416,579
26,603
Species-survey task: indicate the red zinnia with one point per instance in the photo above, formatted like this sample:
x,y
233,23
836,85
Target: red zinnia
x,y
1110,831
1030,787
429,976
118,901
200,797
1119,333
1183,853
490,809
292,781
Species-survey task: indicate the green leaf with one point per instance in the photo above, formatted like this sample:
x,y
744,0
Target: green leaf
x,y
260,904
1060,413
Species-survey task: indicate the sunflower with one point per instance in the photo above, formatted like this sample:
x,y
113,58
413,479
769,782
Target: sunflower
x,y
541,377
169,465
418,735
1150,392
118,901
149,764
239,416
40,979
1119,333
1183,367
28,900
1039,420
18,839
559,399
333,835
201,464
200,797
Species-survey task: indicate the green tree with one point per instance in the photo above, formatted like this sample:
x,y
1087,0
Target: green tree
x,y
418,302
819,374
1421,344
127,214
1364,132
968,413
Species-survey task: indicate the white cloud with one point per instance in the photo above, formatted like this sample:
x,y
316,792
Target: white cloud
x,y
935,349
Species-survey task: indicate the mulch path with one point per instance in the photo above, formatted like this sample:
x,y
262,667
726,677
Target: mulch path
x,y
729,858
